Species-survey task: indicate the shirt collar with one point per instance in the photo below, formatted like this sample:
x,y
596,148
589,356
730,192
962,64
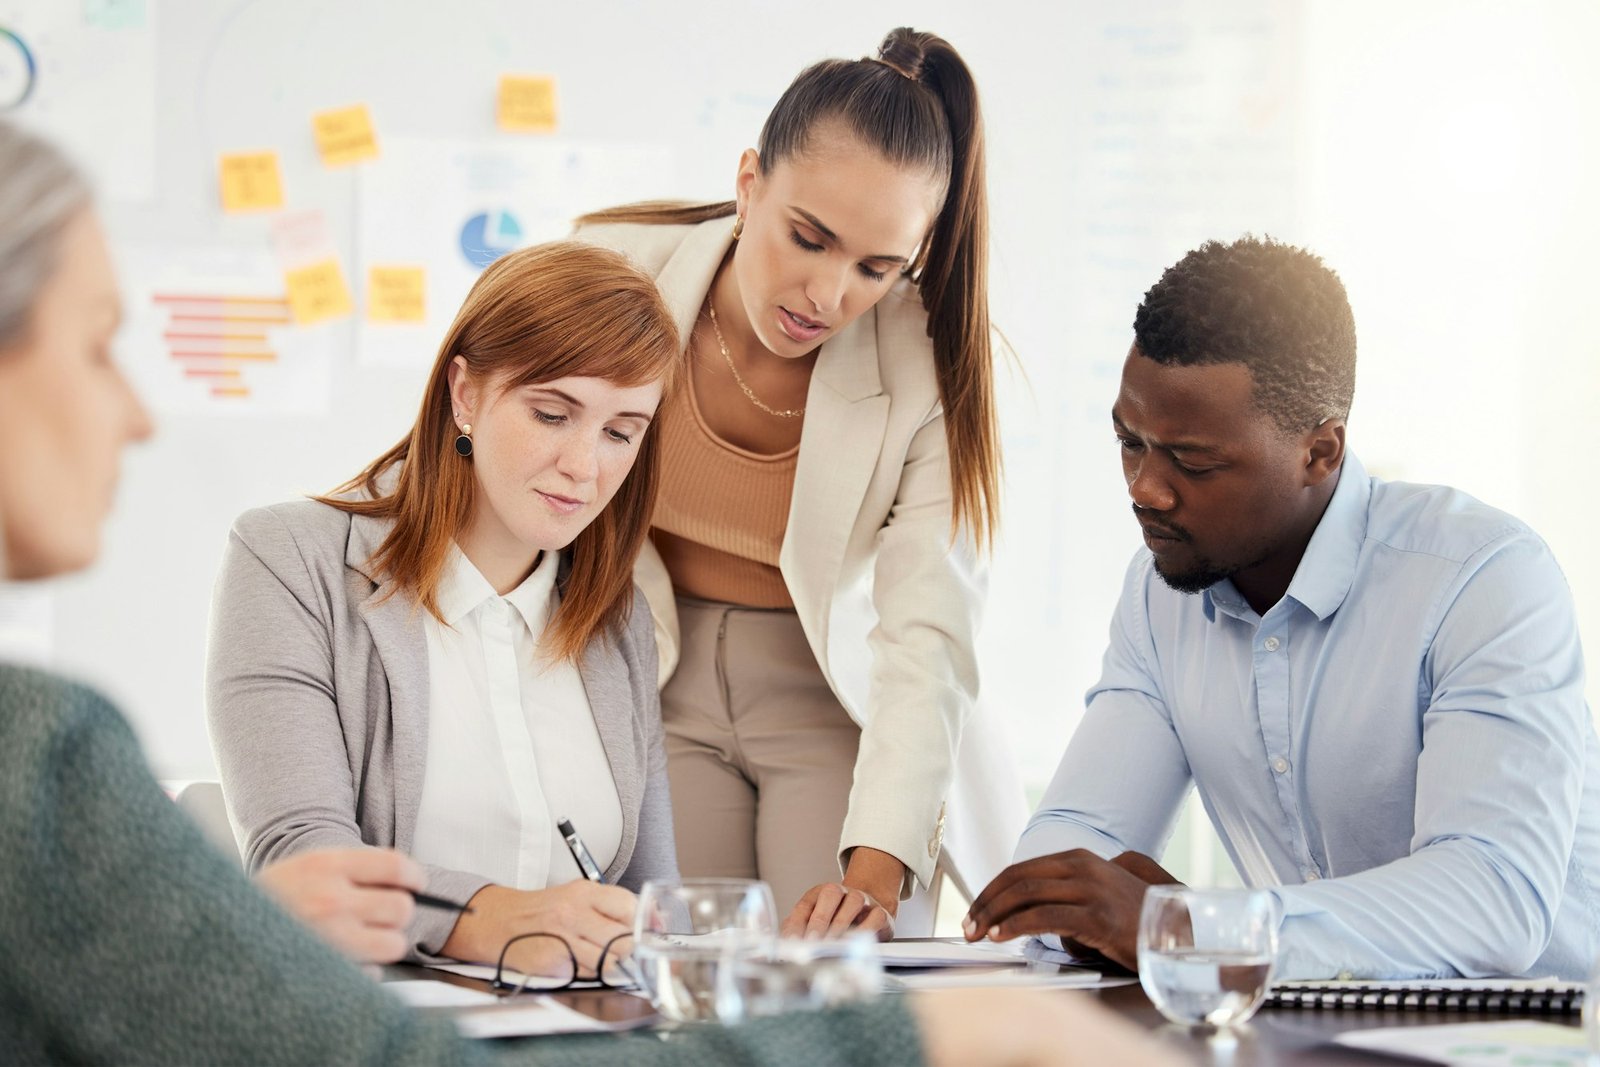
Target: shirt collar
x,y
1328,567
463,588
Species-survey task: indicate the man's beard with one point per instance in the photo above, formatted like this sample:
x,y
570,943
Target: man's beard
x,y
1203,573
1202,576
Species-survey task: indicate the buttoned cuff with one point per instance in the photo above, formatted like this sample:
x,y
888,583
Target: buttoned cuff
x,y
917,848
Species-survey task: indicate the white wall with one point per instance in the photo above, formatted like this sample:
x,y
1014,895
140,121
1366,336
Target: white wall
x,y
1438,160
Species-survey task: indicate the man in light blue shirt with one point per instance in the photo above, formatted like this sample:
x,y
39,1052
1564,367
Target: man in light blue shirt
x,y
1376,687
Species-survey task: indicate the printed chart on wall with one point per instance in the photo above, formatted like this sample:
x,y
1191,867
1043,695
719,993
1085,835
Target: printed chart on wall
x,y
85,72
210,331
432,214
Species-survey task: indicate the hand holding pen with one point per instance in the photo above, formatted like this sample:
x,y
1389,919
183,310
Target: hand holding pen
x,y
360,900
591,872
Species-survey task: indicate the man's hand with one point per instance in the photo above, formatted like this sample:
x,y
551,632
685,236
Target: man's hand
x,y
1089,901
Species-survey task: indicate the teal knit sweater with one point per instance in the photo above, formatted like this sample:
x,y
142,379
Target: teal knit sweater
x,y
124,938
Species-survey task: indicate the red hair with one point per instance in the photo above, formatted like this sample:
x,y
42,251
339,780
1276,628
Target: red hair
x,y
553,311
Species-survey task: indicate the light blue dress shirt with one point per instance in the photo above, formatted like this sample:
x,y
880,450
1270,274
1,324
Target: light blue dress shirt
x,y
1400,746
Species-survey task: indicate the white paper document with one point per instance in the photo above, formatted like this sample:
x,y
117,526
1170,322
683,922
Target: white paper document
x,y
526,1017
423,993
1007,978
1478,1044
485,973
949,953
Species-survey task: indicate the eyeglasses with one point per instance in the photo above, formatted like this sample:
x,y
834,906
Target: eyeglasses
x,y
621,974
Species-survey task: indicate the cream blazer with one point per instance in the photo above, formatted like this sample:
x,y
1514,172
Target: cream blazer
x,y
888,603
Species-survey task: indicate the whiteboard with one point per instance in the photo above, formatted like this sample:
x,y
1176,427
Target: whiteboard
x,y
1120,135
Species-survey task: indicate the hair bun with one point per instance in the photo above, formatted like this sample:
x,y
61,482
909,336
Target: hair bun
x,y
902,50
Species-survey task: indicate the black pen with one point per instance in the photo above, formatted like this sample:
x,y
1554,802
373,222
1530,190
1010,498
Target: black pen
x,y
580,854
591,871
429,901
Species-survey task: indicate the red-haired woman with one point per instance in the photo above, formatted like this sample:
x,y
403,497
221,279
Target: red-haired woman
x,y
448,656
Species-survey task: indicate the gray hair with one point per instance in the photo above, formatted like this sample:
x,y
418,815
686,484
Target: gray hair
x,y
40,192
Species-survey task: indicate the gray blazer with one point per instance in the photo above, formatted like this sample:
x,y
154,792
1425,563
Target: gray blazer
x,y
317,702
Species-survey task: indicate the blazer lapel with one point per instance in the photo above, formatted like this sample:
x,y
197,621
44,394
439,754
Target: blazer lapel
x,y
393,621
605,680
847,414
686,277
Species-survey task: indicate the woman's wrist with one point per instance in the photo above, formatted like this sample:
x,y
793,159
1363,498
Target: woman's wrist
x,y
877,874
470,938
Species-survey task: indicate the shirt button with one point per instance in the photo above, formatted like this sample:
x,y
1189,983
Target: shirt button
x,y
1271,644
1313,876
1280,765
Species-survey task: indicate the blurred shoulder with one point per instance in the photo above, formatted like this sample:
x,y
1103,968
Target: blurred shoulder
x,y
36,705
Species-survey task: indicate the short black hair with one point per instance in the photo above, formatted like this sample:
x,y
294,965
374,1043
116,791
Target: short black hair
x,y
1275,308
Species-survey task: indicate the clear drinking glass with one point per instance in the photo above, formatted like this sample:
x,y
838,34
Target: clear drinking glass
x,y
687,933
1206,955
801,975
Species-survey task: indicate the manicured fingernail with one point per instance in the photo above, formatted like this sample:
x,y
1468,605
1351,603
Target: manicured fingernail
x,y
969,927
994,933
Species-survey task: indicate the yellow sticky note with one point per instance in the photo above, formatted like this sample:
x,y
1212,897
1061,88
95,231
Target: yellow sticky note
x,y
250,182
318,292
395,294
344,135
527,103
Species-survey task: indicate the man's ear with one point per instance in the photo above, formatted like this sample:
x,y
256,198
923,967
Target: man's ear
x,y
1324,446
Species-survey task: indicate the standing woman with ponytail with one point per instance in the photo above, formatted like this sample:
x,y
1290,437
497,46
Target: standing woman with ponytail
x,y
829,485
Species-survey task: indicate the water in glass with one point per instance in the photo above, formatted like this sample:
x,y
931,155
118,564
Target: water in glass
x,y
1206,955
1216,988
689,934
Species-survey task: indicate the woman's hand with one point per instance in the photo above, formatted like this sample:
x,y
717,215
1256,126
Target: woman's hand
x,y
586,914
1027,1028
867,899
357,899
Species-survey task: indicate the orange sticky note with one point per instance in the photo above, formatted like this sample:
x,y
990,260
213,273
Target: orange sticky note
x,y
317,292
250,182
396,294
527,103
344,135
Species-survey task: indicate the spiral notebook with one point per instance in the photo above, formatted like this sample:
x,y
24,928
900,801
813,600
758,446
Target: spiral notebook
x,y
1519,996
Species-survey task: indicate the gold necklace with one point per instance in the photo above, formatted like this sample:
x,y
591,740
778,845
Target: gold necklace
x,y
787,413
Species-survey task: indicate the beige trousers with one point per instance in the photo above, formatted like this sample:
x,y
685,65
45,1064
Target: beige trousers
x,y
760,753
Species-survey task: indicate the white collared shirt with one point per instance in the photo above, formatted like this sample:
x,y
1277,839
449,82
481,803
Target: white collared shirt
x,y
512,742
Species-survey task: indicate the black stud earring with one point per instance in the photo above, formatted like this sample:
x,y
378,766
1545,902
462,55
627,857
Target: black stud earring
x,y
464,440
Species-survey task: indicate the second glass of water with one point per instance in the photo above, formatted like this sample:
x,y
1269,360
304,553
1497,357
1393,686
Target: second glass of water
x,y
1206,955
689,934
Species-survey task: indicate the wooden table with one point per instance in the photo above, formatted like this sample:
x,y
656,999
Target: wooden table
x,y
1276,1037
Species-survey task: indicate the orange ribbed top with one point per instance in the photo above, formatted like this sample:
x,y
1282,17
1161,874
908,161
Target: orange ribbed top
x,y
721,511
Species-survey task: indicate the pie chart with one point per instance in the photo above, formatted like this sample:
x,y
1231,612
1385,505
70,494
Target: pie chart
x,y
17,70
489,235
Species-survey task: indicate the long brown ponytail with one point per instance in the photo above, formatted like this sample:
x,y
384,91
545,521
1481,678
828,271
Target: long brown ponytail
x,y
916,103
